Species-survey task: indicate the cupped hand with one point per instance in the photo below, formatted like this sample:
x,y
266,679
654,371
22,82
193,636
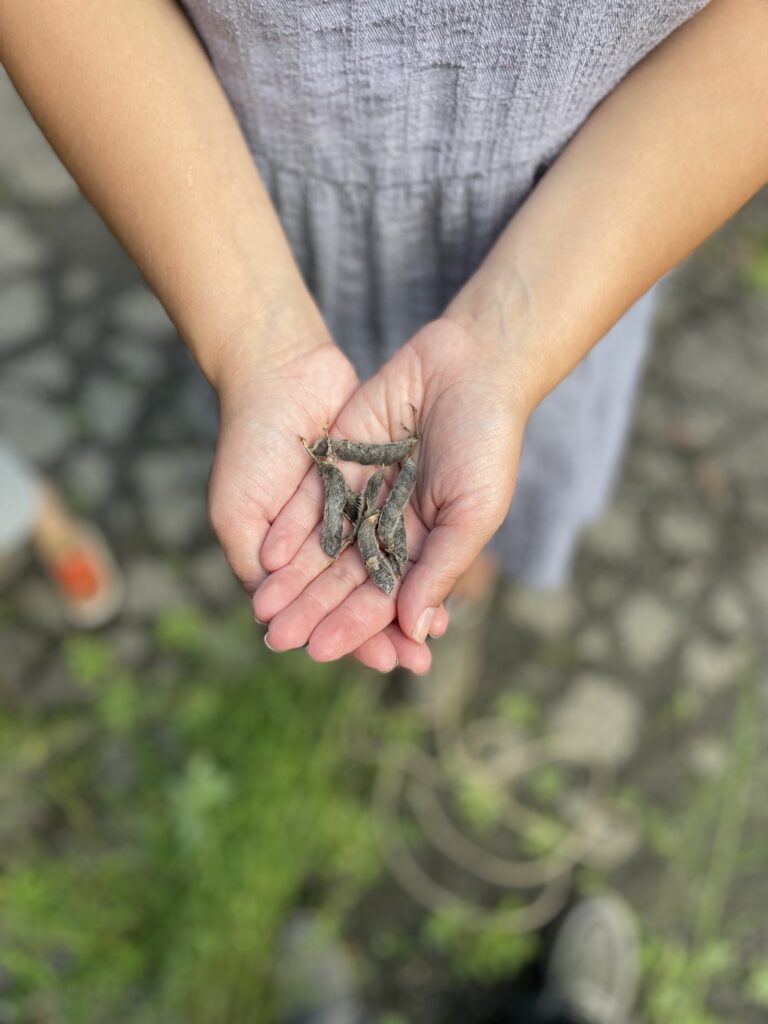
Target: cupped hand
x,y
472,415
260,467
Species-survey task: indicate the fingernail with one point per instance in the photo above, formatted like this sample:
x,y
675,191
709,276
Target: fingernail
x,y
259,621
422,626
268,644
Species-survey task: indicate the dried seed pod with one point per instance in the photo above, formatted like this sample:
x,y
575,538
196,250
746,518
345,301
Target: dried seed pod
x,y
366,453
391,525
336,492
366,503
353,505
376,562
372,491
333,512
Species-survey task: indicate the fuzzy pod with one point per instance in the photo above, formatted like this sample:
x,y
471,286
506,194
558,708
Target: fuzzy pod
x,y
376,562
364,504
333,512
366,453
372,491
391,525
353,505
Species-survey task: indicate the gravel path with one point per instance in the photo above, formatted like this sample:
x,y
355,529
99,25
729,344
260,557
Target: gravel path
x,y
647,656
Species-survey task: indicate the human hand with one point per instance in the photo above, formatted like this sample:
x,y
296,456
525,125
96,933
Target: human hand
x,y
472,414
260,466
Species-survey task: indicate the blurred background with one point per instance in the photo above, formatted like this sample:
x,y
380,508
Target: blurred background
x,y
170,792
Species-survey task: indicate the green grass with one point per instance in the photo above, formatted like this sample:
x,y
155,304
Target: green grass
x,y
161,831
682,966
755,271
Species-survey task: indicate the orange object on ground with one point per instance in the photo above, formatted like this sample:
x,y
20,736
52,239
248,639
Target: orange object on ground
x,y
76,575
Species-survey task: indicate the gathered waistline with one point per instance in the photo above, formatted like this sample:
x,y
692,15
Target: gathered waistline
x,y
351,183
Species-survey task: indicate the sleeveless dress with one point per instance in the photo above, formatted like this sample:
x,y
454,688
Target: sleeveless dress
x,y
396,139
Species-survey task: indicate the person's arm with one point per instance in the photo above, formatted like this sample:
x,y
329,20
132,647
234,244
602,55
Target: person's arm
x,y
677,147
670,154
127,97
668,157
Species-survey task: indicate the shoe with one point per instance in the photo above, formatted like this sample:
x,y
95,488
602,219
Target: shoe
x,y
593,971
87,578
315,977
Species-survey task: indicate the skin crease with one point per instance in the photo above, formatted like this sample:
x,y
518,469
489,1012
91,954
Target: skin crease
x,y
127,98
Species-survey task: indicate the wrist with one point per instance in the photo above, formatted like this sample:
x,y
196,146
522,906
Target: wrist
x,y
275,332
501,317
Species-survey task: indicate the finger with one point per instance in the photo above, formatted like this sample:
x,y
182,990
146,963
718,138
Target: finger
x,y
439,622
297,599
291,627
363,613
378,653
448,551
285,585
293,524
415,657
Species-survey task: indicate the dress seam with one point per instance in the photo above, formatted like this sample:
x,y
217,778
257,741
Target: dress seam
x,y
438,179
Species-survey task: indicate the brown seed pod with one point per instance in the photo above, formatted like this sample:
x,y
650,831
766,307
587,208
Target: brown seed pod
x,y
376,562
335,501
367,453
333,512
391,525
357,506
353,505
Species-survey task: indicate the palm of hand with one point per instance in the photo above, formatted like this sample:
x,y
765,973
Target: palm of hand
x,y
472,430
259,463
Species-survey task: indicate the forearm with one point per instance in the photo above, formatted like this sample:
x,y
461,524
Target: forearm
x,y
126,95
672,153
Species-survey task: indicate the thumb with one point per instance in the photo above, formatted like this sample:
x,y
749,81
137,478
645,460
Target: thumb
x,y
448,551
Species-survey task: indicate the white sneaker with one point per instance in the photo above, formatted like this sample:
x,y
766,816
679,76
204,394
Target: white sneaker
x,y
594,966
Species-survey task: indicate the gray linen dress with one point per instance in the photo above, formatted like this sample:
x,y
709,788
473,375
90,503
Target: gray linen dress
x,y
396,139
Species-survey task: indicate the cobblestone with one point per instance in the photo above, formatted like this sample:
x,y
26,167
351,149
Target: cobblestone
x,y
140,363
89,474
152,588
550,613
78,285
44,369
38,602
138,311
648,626
39,429
727,612
709,666
706,756
594,644
20,250
23,312
602,716
212,574
685,534
111,406
616,535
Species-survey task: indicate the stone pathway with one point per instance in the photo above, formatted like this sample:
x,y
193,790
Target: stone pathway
x,y
647,656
